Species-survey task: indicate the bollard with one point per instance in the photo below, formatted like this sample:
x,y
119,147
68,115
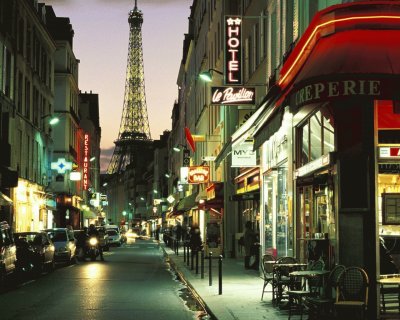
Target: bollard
x,y
177,247
210,269
184,252
220,275
188,254
192,261
197,261
202,264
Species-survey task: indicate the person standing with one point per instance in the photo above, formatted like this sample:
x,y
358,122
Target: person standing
x,y
195,239
178,233
250,239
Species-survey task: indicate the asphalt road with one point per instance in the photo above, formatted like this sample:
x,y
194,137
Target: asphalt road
x,y
134,282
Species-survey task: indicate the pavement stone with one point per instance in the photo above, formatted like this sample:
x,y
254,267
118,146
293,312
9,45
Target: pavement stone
x,y
241,289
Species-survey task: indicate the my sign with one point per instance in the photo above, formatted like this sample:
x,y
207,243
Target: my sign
x,y
233,95
243,155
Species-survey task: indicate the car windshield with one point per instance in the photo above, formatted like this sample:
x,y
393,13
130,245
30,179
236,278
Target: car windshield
x,y
111,232
58,235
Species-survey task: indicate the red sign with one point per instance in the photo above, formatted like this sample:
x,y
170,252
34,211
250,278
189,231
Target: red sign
x,y
198,174
189,139
395,151
86,162
233,50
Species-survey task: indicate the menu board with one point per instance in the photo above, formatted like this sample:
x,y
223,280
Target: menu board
x,y
391,208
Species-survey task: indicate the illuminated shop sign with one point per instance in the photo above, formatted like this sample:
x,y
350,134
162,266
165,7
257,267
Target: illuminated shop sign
x,y
233,50
243,155
389,152
233,95
198,174
336,89
61,165
86,162
313,166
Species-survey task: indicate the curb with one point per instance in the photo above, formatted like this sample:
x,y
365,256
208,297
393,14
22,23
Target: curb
x,y
189,286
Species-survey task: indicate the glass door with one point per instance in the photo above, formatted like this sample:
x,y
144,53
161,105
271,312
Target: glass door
x,y
304,220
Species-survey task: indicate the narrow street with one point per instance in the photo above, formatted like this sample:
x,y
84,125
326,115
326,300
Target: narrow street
x,y
134,282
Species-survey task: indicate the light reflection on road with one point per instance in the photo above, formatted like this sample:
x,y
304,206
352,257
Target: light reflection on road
x,y
93,271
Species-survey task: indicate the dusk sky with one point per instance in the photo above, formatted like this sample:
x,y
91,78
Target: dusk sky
x,y
101,44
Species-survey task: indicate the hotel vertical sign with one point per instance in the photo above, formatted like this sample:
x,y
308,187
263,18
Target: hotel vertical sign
x,y
86,162
233,50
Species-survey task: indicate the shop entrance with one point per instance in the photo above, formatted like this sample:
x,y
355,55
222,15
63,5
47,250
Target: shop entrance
x,y
315,221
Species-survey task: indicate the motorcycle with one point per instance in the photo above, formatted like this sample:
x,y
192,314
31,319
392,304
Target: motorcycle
x,y
93,248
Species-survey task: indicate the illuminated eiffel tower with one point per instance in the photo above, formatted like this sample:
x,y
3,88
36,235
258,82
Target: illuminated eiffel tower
x,y
134,130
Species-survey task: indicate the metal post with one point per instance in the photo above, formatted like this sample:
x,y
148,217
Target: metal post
x,y
197,261
220,275
202,264
188,254
210,269
192,261
184,252
177,247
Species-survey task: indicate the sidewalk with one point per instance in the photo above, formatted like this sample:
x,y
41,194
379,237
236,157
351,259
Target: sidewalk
x,y
241,289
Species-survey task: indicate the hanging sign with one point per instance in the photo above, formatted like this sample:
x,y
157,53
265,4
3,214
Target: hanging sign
x,y
233,50
61,165
86,162
198,174
233,95
243,155
389,152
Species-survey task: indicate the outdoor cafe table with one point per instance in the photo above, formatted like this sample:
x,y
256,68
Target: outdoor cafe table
x,y
390,284
308,274
276,266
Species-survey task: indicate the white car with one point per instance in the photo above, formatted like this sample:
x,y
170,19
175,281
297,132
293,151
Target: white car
x,y
65,244
114,237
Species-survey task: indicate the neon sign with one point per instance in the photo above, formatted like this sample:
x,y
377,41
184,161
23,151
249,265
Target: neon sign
x,y
198,174
233,50
61,165
86,162
233,95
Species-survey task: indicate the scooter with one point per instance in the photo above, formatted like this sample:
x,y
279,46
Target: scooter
x,y
93,248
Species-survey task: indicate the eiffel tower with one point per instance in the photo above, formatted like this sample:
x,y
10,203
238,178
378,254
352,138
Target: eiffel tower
x,y
134,130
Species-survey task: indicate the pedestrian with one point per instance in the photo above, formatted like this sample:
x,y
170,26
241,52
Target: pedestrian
x,y
157,232
178,233
250,245
195,238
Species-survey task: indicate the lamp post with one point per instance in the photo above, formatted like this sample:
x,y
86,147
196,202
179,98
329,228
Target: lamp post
x,y
207,76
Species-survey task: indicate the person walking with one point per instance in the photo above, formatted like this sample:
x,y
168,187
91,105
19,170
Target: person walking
x,y
250,239
195,239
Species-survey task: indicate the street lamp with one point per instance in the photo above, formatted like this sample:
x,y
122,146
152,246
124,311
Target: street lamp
x,y
177,149
53,119
208,75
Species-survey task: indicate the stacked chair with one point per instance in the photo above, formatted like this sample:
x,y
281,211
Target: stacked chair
x,y
268,276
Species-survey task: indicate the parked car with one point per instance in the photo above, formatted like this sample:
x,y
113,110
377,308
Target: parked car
x,y
65,244
42,257
114,237
8,251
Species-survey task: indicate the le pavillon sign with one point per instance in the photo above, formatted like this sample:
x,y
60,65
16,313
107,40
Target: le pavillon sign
x,y
233,50
233,95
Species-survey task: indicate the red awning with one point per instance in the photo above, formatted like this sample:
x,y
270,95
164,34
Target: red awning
x,y
366,52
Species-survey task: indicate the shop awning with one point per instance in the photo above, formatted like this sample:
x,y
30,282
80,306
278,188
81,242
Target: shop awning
x,y
268,126
240,135
89,214
5,200
187,203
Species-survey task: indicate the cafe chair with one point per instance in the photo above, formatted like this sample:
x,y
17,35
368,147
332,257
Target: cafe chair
x,y
267,273
299,292
352,294
321,307
282,278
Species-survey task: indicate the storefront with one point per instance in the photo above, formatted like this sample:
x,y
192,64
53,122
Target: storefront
x,y
277,195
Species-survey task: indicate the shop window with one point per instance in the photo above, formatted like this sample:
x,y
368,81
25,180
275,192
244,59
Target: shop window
x,y
316,137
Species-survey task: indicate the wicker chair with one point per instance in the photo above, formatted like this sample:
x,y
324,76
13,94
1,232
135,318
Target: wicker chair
x,y
298,293
267,269
352,293
282,279
321,307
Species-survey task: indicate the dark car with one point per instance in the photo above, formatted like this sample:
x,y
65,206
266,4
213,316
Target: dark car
x,y
8,250
35,248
